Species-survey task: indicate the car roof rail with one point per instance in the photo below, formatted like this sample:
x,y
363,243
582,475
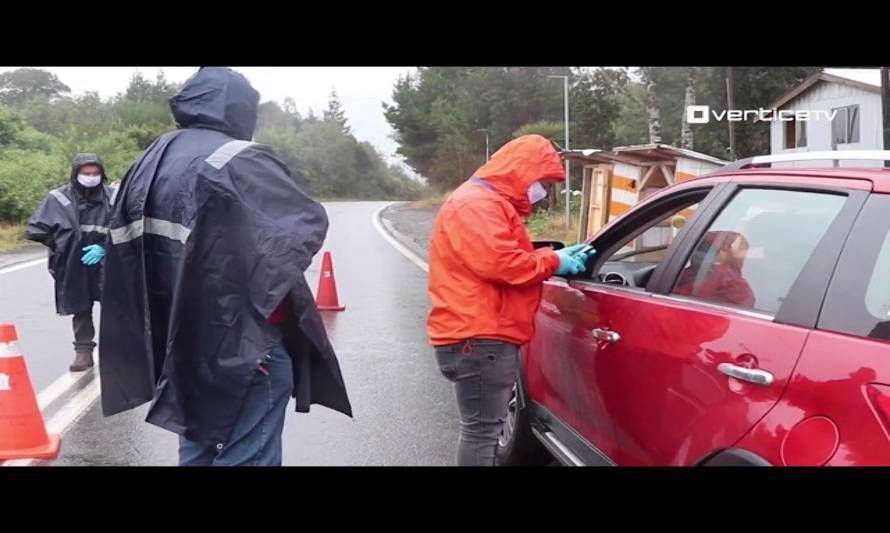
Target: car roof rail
x,y
828,155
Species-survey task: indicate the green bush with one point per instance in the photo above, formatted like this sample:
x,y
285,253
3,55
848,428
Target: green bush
x,y
11,125
25,178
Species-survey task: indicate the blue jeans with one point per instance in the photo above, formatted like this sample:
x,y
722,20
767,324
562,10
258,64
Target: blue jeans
x,y
256,436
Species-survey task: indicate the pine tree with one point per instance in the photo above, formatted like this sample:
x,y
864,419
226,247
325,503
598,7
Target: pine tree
x,y
334,112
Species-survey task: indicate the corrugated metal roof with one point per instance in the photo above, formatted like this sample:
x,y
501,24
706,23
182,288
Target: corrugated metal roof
x,y
871,76
639,153
666,150
595,155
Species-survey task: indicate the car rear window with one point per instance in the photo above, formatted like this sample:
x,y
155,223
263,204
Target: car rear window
x,y
858,299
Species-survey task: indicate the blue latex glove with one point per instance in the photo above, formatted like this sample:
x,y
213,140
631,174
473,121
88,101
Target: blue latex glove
x,y
571,261
94,254
575,251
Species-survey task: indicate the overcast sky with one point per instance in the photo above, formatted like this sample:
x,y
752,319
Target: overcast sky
x,y
361,90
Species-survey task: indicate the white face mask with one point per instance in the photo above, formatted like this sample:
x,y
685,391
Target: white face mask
x,y
89,181
536,192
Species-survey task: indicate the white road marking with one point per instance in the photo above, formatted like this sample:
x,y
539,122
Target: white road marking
x,y
396,244
22,266
59,387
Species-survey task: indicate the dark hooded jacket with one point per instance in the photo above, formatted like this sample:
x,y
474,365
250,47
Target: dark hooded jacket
x,y
210,233
70,218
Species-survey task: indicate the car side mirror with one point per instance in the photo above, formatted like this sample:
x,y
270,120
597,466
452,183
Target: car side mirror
x,y
556,245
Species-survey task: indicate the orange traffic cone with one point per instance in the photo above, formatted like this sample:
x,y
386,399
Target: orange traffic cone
x,y
22,433
327,287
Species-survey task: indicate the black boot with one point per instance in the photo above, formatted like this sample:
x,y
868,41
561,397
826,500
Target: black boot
x,y
82,361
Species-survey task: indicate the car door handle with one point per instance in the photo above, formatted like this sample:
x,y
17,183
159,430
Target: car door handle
x,y
606,335
752,375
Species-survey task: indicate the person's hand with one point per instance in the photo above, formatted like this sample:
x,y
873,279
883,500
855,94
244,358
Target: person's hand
x,y
572,260
94,254
569,263
576,252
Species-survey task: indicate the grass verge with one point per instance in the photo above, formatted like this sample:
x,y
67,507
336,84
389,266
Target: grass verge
x,y
12,236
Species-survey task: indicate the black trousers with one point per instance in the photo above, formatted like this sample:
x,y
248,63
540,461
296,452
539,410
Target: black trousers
x,y
84,331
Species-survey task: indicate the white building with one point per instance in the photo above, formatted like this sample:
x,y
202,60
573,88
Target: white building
x,y
844,108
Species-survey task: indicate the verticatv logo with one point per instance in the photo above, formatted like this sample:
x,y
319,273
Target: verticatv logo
x,y
701,114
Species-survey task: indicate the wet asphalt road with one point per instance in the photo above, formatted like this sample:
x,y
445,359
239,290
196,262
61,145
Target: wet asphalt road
x,y
28,301
404,409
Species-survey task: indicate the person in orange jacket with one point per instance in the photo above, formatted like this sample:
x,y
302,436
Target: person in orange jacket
x,y
485,285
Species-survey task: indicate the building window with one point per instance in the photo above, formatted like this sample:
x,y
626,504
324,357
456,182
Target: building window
x,y
845,125
795,134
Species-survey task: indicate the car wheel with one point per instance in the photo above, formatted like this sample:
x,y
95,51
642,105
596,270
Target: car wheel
x,y
517,445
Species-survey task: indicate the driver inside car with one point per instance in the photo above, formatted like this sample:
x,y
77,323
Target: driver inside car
x,y
715,270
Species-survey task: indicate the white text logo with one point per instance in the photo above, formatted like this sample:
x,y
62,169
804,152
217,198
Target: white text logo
x,y
701,114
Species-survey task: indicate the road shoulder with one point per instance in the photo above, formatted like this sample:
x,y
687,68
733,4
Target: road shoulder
x,y
411,226
26,253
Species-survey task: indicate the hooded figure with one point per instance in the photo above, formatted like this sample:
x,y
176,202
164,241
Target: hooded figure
x,y
485,285
485,275
207,313
72,220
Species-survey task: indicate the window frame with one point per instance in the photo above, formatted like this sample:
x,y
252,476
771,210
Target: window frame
x,y
800,134
845,301
804,300
804,297
847,126
801,139
639,220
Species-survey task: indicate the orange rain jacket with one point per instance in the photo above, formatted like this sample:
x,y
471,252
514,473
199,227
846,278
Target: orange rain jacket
x,y
485,275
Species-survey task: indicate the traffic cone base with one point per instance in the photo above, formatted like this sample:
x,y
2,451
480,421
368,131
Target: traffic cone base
x,y
22,431
50,450
326,299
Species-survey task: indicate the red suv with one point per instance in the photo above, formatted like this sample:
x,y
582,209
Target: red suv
x,y
741,318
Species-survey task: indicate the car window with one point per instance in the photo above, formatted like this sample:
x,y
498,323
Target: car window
x,y
650,246
635,249
858,300
756,248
